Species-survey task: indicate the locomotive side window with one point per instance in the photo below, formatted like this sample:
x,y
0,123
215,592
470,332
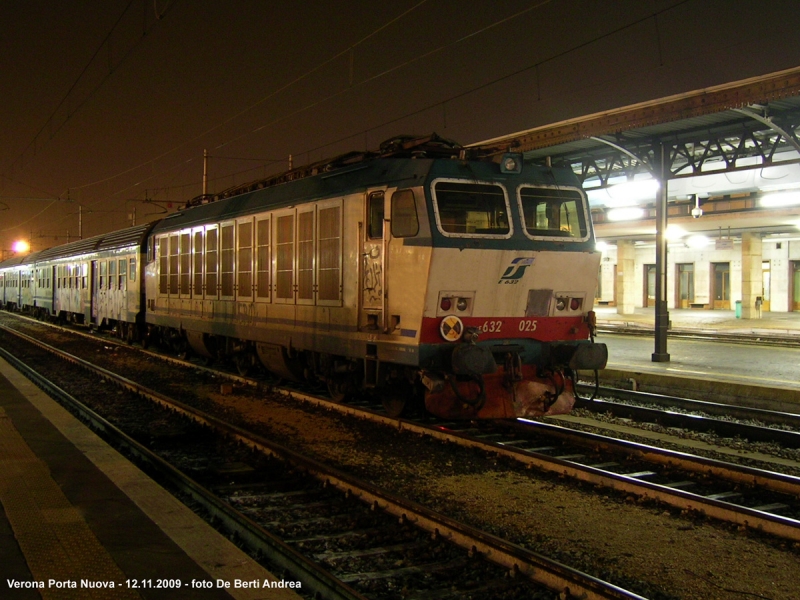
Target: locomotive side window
x,y
329,255
305,255
186,264
284,261
197,274
174,257
212,258
375,216
405,222
552,212
263,258
471,209
226,258
163,265
245,266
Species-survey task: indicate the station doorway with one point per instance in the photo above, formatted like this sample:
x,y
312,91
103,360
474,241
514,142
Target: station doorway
x,y
685,290
765,285
721,282
795,300
649,285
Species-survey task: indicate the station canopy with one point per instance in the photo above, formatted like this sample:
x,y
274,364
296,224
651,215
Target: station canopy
x,y
730,151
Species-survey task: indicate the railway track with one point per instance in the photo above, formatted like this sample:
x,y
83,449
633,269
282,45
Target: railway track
x,y
343,538
747,497
753,424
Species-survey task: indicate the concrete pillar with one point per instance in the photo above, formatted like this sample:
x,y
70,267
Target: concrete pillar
x,y
626,284
751,274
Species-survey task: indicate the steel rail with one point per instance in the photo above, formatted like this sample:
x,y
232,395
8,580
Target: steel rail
x,y
670,419
518,560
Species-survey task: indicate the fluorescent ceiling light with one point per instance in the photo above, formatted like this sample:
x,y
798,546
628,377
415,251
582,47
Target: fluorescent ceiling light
x,y
627,213
780,199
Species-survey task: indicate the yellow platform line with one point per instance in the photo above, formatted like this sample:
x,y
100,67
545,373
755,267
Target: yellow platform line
x,y
55,539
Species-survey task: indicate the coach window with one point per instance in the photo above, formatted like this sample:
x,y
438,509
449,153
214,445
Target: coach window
x,y
226,258
553,212
112,274
76,271
375,216
404,214
245,260
123,271
103,271
212,258
163,265
132,269
84,272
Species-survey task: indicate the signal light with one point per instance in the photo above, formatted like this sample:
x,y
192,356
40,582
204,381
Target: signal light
x,y
445,304
575,304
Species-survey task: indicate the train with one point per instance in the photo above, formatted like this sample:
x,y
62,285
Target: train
x,y
422,274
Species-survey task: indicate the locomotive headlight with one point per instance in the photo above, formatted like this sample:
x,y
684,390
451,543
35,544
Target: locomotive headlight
x,y
461,304
511,163
561,303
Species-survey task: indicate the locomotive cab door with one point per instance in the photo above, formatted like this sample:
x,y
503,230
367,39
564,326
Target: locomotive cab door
x,y
372,272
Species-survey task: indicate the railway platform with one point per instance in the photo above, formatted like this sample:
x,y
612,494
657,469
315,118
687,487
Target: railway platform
x,y
771,324
763,372
78,520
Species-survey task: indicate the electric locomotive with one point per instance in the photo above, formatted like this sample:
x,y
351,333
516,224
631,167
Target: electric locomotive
x,y
417,273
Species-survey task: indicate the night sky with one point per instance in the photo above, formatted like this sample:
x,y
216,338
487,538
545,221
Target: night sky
x,y
109,104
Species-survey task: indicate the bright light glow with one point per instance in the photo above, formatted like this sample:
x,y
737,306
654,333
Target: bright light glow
x,y
631,192
675,233
780,199
697,242
627,213
603,246
21,247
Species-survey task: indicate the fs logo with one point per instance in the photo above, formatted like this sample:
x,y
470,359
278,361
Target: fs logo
x,y
516,270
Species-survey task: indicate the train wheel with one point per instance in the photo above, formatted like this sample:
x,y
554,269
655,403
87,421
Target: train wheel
x,y
244,363
340,387
394,400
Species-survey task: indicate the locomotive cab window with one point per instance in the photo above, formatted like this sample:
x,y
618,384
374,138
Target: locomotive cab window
x,y
471,209
552,212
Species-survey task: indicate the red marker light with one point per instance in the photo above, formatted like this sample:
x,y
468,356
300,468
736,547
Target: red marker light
x,y
445,304
575,304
